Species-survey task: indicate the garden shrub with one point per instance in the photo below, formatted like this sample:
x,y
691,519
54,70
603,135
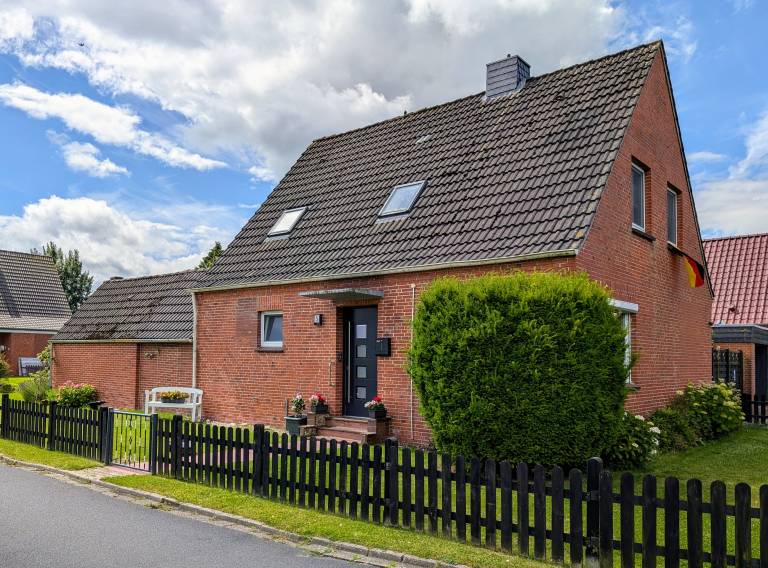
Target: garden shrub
x,y
677,432
6,387
713,409
37,388
5,367
636,442
522,367
72,395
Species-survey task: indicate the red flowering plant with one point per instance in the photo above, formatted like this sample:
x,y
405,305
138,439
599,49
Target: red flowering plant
x,y
317,398
376,403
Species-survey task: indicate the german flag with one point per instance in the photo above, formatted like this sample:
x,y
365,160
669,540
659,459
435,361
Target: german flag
x,y
695,272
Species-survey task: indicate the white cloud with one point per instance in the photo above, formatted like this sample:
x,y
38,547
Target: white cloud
x,y
256,81
705,156
85,157
111,241
733,206
106,124
679,38
756,157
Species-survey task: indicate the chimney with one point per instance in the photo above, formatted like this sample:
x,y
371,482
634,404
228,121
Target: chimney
x,y
506,76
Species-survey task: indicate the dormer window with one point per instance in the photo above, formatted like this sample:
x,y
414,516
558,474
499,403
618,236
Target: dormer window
x,y
402,198
286,222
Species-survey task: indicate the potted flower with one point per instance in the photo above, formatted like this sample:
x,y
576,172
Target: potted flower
x,y
376,408
173,397
297,419
319,403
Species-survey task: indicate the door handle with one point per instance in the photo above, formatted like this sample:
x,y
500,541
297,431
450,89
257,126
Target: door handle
x,y
350,342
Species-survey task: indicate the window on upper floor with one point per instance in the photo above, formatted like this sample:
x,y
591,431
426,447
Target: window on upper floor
x,y
638,197
286,222
401,199
672,204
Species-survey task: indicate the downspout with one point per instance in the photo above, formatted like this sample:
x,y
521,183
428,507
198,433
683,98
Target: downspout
x,y
413,313
194,340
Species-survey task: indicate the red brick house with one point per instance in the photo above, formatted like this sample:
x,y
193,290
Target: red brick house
x,y
739,270
33,305
579,169
130,335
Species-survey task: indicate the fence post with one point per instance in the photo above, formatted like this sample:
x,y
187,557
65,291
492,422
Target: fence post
x,y
391,501
258,456
594,469
153,433
52,425
105,434
5,416
176,446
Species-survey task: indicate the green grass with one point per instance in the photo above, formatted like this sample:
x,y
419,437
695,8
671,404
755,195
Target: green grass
x,y
312,523
15,381
29,453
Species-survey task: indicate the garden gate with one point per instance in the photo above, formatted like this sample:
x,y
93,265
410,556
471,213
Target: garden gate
x,y
133,439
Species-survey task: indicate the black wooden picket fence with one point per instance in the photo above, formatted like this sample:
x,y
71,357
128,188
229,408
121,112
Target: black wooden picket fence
x,y
593,518
755,408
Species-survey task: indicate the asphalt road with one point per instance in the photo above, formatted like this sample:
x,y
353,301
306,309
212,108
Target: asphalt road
x,y
47,522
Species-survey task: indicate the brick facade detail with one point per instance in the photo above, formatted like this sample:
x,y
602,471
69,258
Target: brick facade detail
x,y
22,345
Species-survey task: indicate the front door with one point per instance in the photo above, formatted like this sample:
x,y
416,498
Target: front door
x,y
359,359
761,370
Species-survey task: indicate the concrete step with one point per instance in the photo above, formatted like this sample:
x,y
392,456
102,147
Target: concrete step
x,y
346,422
340,433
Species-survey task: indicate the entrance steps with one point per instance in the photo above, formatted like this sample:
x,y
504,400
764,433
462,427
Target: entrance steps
x,y
346,428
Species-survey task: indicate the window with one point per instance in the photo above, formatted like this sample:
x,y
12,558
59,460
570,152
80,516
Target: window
x,y
272,329
671,216
638,198
624,311
401,199
286,222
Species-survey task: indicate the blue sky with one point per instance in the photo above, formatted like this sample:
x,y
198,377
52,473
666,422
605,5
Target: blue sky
x,y
143,133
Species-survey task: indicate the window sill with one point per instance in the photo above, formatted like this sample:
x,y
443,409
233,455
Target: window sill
x,y
642,234
673,248
630,386
270,349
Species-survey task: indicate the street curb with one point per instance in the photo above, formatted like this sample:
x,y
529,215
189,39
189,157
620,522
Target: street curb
x,y
354,552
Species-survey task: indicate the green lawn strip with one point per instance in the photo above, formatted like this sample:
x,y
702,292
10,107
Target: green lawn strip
x,y
15,381
34,454
313,523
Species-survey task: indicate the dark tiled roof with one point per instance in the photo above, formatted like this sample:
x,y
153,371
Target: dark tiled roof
x,y
509,177
31,296
150,308
738,267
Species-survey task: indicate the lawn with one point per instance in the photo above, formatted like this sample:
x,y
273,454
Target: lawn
x,y
15,381
312,523
34,454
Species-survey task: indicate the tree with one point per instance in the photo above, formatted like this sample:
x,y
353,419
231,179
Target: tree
x,y
213,255
76,282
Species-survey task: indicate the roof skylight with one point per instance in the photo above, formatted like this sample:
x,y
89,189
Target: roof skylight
x,y
401,199
286,222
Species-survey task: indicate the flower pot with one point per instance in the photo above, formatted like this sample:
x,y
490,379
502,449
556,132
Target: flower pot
x,y
167,400
293,424
378,414
320,408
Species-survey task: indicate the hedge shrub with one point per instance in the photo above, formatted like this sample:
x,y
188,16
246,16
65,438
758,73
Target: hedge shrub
x,y
637,441
71,395
523,367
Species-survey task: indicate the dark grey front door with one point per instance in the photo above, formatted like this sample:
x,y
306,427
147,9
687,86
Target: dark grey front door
x,y
359,359
761,370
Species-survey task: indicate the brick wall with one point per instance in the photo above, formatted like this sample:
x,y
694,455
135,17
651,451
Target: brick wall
x,y
22,345
122,371
671,332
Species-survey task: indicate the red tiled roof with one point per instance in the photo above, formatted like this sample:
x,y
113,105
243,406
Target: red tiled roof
x,y
738,267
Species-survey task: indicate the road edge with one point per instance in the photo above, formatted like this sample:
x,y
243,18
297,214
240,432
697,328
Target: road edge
x,y
349,551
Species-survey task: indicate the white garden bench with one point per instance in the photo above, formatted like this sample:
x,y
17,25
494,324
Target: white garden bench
x,y
194,403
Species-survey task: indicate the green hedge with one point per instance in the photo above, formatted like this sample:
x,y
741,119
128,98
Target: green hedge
x,y
523,367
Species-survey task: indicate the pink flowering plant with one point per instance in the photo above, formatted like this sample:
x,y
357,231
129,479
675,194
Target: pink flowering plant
x,y
76,395
376,403
298,405
317,398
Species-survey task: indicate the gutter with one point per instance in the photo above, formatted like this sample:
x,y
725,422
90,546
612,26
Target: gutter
x,y
12,330
194,340
389,271
75,341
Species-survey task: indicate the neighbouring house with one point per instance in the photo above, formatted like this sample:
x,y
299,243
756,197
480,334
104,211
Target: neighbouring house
x,y
579,169
33,306
130,335
739,270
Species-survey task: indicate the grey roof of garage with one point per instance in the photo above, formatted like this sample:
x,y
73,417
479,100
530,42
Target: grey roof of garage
x,y
506,178
31,295
150,308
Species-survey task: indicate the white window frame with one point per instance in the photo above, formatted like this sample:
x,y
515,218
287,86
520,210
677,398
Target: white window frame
x,y
671,191
273,232
262,330
625,311
641,171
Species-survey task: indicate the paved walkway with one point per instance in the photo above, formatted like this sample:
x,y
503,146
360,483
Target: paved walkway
x,y
49,522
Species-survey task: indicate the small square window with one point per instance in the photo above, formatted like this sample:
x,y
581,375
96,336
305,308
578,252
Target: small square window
x,y
638,198
286,222
272,329
672,216
401,199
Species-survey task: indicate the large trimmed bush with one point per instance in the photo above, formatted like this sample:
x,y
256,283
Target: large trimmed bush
x,y
523,367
